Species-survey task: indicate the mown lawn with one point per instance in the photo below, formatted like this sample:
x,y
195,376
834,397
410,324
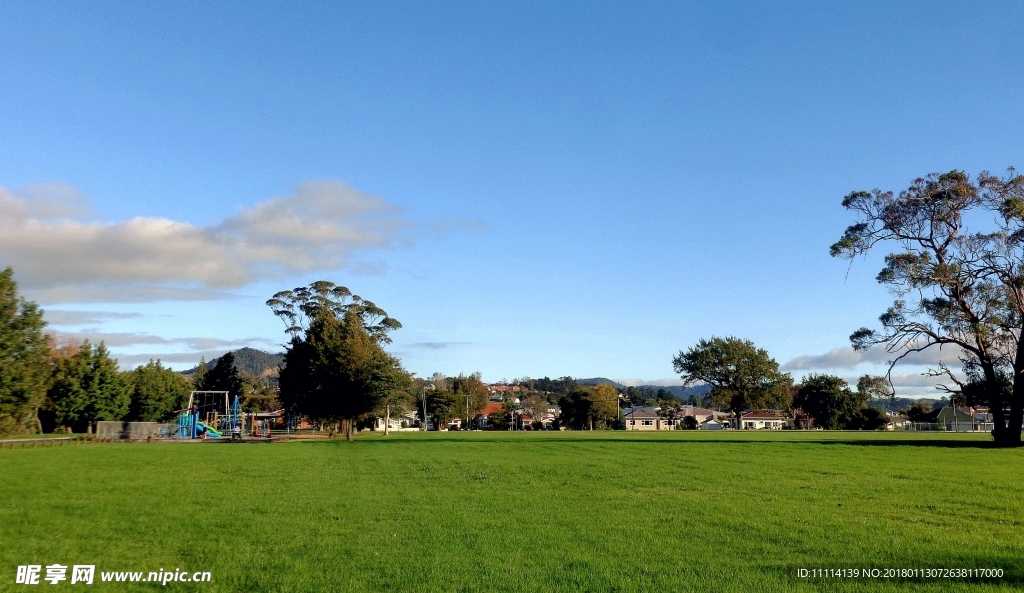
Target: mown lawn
x,y
522,511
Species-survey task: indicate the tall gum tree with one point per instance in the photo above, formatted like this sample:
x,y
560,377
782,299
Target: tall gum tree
x,y
335,368
956,287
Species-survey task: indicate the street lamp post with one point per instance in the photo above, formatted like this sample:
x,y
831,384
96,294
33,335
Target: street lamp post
x,y
423,391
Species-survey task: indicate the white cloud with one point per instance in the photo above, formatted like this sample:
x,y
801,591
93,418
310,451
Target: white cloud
x,y
128,339
915,385
437,345
59,256
848,358
71,317
177,360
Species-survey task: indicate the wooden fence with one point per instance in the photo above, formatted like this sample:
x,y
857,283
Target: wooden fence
x,y
47,442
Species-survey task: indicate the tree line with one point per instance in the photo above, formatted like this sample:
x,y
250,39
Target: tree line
x,y
744,377
46,387
956,272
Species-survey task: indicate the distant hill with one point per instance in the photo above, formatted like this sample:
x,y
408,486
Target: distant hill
x,y
684,392
601,381
249,361
677,390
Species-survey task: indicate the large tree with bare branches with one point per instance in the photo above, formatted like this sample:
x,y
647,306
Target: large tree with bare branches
x,y
957,272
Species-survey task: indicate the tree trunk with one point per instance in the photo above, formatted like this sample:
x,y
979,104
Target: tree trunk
x,y
387,419
998,420
1013,431
348,429
1007,434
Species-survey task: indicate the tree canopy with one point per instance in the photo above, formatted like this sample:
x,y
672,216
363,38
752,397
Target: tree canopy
x,y
957,286
828,401
156,393
87,387
24,350
442,406
472,393
299,307
335,369
222,377
741,375
590,407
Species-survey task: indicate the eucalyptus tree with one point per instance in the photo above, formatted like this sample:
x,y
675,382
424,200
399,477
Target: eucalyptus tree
x,y
335,369
956,271
300,306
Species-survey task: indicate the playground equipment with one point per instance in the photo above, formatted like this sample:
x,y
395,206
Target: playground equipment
x,y
209,430
208,414
215,414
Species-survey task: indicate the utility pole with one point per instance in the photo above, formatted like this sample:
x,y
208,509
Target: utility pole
x,y
423,391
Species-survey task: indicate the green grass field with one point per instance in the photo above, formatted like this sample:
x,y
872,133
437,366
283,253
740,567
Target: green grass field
x,y
564,511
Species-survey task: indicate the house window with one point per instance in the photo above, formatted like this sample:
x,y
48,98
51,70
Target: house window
x,y
647,422
632,422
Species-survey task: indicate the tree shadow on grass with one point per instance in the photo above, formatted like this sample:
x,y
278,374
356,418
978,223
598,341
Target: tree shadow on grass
x,y
946,444
868,441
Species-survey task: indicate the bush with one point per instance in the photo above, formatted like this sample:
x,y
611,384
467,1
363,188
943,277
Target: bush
x,y
868,419
7,425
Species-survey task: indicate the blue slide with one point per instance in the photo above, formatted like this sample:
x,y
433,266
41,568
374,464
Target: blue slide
x,y
209,430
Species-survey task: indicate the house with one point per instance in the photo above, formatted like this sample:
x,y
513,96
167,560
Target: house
x,y
762,421
897,422
644,419
701,414
964,420
482,422
500,391
394,424
713,425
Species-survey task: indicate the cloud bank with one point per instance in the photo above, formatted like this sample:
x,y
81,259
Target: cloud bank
x,y
178,351
126,339
72,317
59,255
848,358
907,384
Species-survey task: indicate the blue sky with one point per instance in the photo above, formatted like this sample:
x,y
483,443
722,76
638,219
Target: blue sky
x,y
532,189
